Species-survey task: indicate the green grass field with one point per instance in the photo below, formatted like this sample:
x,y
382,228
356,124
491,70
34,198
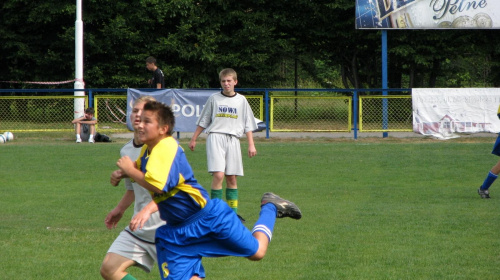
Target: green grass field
x,y
372,209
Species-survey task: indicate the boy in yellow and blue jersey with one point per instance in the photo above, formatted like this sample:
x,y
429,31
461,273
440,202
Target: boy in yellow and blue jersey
x,y
131,248
483,190
197,226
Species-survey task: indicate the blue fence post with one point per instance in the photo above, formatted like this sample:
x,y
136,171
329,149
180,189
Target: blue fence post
x,y
355,113
91,99
385,121
266,105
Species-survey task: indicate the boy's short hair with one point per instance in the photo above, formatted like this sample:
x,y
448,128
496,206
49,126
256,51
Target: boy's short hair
x,y
151,60
164,114
89,110
228,72
144,98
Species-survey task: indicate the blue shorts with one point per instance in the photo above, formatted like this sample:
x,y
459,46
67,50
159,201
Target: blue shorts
x,y
215,231
496,147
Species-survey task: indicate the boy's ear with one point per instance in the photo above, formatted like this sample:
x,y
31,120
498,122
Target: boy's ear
x,y
164,129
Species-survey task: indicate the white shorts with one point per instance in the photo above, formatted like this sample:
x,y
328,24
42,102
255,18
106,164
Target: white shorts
x,y
224,154
132,248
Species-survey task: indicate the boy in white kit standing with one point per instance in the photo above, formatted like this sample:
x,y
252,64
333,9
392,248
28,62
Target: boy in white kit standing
x,y
226,117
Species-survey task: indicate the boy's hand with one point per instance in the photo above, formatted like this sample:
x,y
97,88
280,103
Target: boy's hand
x,y
140,219
116,177
125,164
192,144
252,151
113,218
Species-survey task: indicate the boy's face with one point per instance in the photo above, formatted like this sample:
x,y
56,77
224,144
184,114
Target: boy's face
x,y
150,132
135,116
150,66
88,116
227,83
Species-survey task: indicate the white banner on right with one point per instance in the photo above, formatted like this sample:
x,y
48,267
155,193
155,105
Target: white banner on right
x,y
444,113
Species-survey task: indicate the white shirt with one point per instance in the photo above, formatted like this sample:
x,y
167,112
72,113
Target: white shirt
x,y
227,114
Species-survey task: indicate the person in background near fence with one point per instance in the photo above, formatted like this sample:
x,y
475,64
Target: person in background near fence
x,y
158,80
483,190
197,226
225,117
85,126
135,248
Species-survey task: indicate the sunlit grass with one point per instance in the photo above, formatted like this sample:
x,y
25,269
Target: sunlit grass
x,y
381,209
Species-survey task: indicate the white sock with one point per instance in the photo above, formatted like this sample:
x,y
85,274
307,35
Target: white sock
x,y
78,136
91,137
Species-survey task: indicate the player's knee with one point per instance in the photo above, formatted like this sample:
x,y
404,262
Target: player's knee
x,y
263,245
257,256
218,176
106,271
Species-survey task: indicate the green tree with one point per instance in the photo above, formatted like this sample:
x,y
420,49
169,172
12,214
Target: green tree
x,y
269,43
36,45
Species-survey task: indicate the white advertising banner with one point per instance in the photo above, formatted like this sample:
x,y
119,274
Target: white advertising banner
x,y
428,14
446,112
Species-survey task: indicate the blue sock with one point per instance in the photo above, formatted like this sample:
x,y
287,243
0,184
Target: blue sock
x,y
489,180
266,221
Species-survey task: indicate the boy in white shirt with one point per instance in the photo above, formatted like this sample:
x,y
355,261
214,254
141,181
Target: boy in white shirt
x,y
226,117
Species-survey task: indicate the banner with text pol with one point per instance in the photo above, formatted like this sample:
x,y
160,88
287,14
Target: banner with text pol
x,y
428,14
186,104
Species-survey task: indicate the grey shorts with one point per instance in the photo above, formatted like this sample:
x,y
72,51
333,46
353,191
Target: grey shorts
x,y
224,154
132,248
84,132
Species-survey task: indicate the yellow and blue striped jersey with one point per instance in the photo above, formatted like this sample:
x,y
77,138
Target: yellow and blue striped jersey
x,y
167,168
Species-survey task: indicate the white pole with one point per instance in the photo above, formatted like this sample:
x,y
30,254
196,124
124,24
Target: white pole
x,y
79,104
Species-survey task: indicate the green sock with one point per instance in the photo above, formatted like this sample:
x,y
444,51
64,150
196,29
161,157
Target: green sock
x,y
232,199
216,194
129,277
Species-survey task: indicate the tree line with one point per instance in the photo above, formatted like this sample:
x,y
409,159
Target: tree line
x,y
286,43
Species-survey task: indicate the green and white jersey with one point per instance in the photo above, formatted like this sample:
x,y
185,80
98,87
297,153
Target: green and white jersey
x,y
142,198
227,114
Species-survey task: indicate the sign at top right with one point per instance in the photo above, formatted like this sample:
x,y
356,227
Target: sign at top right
x,y
428,14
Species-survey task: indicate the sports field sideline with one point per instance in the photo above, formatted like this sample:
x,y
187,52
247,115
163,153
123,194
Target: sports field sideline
x,y
332,135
